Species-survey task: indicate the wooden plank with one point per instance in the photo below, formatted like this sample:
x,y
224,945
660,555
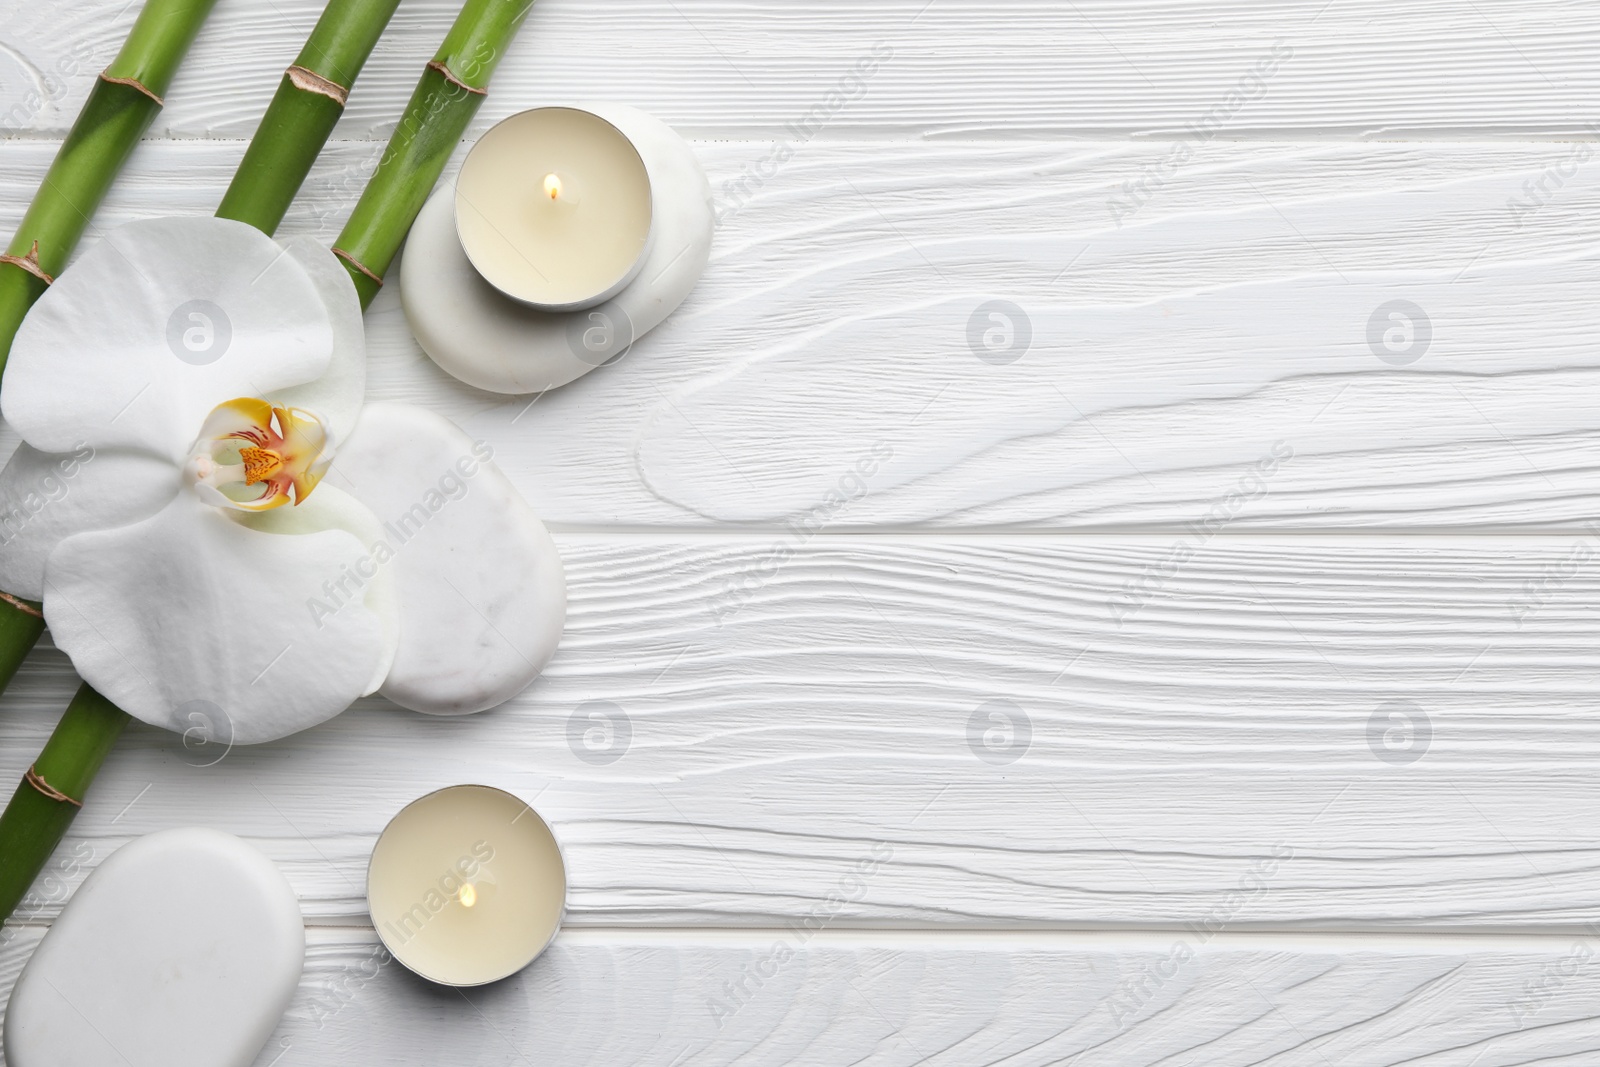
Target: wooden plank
x,y
1350,732
1147,758
904,68
826,998
1221,329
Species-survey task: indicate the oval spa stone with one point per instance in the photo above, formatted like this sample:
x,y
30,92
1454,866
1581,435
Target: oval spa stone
x,y
491,341
182,949
483,597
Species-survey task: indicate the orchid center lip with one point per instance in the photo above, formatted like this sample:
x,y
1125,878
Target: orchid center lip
x,y
260,464
252,456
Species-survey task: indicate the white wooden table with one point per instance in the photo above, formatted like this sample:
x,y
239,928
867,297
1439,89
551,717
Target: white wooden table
x,y
1204,673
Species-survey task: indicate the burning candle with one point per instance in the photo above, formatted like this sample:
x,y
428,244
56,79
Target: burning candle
x,y
466,885
554,209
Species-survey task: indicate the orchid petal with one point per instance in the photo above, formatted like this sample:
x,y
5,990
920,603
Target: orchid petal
x,y
336,396
191,606
482,597
334,509
155,325
308,449
237,416
46,496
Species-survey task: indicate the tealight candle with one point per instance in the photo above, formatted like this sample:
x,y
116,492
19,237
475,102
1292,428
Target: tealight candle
x,y
553,208
489,340
466,885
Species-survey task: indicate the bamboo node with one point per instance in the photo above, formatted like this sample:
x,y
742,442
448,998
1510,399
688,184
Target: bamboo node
x,y
107,76
312,82
29,263
449,76
356,263
22,605
35,779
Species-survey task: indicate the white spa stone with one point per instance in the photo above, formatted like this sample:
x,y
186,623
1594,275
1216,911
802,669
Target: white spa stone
x,y
482,595
490,341
181,950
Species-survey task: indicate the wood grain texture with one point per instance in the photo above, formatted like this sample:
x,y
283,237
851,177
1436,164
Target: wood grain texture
x,y
662,999
1351,733
952,68
1072,700
1223,322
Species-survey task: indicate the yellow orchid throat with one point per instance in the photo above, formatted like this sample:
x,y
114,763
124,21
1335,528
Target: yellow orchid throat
x,y
253,456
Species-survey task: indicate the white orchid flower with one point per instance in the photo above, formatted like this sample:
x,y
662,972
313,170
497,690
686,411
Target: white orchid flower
x,y
211,519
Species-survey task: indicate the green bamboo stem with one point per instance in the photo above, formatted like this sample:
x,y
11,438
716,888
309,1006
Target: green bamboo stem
x,y
452,87
121,106
34,821
21,623
303,112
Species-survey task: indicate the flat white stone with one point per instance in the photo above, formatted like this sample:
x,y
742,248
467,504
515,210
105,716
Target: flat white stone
x,y
181,950
488,340
482,594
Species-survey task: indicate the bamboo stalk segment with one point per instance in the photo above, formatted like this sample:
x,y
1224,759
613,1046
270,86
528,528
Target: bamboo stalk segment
x,y
451,90
21,624
121,106
52,791
304,111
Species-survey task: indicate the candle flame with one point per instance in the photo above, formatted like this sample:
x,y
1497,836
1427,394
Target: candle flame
x,y
469,895
552,186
